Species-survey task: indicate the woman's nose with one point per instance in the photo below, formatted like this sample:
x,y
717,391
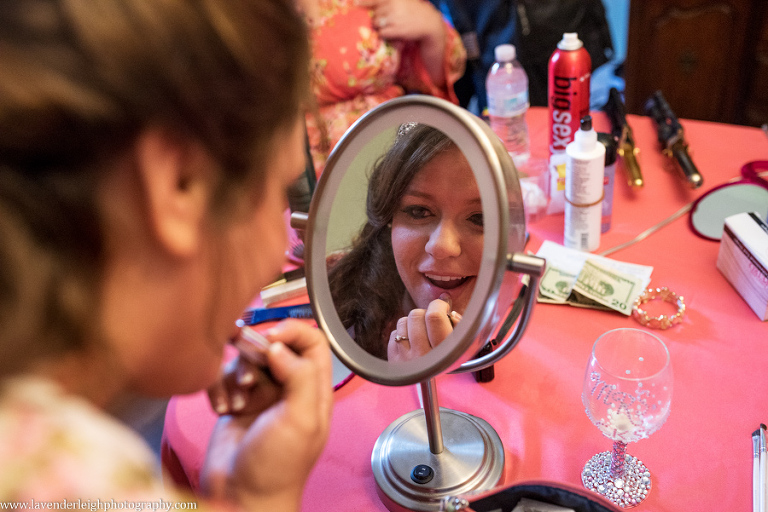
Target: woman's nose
x,y
444,241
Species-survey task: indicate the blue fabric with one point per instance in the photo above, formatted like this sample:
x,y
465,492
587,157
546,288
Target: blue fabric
x,y
494,23
534,27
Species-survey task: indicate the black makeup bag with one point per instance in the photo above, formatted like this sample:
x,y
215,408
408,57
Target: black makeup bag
x,y
554,493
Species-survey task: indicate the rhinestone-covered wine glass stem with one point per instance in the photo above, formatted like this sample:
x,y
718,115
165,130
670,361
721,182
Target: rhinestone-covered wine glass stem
x,y
617,459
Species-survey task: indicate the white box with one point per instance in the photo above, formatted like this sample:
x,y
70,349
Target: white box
x,y
743,259
285,291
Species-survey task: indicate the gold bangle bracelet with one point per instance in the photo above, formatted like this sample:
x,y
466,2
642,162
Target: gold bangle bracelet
x,y
661,321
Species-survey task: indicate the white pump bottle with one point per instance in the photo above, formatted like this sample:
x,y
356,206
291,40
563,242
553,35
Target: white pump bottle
x,y
584,172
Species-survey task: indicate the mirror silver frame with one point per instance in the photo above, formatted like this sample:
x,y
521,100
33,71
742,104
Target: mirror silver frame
x,y
491,165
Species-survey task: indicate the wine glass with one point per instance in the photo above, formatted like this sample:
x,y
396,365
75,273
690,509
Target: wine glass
x,y
627,394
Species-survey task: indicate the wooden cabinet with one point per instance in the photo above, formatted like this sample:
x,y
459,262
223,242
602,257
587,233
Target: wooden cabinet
x,y
755,107
708,57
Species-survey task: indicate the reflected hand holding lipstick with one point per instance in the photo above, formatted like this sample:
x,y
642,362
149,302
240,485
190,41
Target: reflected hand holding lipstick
x,y
422,329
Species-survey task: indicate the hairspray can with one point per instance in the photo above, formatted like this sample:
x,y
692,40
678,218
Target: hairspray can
x,y
570,68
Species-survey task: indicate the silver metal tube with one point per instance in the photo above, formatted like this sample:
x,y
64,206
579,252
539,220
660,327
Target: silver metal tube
x,y
533,267
526,264
299,220
432,415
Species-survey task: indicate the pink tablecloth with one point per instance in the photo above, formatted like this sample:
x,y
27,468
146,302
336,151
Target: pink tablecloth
x,y
701,459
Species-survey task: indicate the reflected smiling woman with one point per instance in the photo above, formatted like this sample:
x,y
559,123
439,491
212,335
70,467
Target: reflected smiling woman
x,y
411,271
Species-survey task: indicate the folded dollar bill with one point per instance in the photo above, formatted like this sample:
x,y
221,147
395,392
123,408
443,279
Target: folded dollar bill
x,y
586,280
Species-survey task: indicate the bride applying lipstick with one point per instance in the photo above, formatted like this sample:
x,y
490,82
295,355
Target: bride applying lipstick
x,y
411,271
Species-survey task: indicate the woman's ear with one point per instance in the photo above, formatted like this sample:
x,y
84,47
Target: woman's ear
x,y
178,179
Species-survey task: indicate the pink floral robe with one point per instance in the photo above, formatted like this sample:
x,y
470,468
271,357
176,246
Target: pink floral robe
x,y
353,70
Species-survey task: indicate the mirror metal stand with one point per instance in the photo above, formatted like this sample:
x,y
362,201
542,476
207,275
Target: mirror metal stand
x,y
533,269
433,453
432,415
416,466
427,458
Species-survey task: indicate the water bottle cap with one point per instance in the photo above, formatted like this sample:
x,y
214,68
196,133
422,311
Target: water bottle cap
x,y
570,41
505,53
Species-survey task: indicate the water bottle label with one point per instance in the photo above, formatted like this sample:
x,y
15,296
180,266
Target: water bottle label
x,y
506,106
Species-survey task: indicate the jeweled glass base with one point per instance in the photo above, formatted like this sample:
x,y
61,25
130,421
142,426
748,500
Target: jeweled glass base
x,y
626,491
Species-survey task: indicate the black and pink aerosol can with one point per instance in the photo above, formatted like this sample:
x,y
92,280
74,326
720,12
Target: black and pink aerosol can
x,y
570,68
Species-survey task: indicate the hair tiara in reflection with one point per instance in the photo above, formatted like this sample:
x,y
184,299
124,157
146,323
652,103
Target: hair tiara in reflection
x,y
405,128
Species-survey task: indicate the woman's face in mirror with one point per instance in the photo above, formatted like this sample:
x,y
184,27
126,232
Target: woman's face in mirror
x,y
437,233
422,241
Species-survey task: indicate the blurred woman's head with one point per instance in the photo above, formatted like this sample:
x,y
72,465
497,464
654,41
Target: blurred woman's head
x,y
145,151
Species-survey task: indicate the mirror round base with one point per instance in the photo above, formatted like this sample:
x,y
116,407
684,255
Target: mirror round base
x,y
410,477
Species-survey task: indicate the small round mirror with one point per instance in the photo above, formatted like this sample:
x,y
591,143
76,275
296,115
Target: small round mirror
x,y
710,211
427,201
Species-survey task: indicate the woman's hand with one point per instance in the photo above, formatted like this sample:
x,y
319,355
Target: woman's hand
x,y
410,20
421,331
413,20
261,457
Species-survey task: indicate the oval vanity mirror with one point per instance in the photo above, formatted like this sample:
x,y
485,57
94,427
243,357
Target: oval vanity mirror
x,y
418,216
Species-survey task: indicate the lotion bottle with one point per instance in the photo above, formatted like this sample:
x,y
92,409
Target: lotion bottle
x,y
584,191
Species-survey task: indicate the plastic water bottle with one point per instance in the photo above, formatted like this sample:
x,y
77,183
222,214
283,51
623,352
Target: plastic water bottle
x,y
507,88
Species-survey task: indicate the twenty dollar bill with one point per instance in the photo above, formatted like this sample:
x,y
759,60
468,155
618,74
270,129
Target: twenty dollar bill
x,y
615,290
